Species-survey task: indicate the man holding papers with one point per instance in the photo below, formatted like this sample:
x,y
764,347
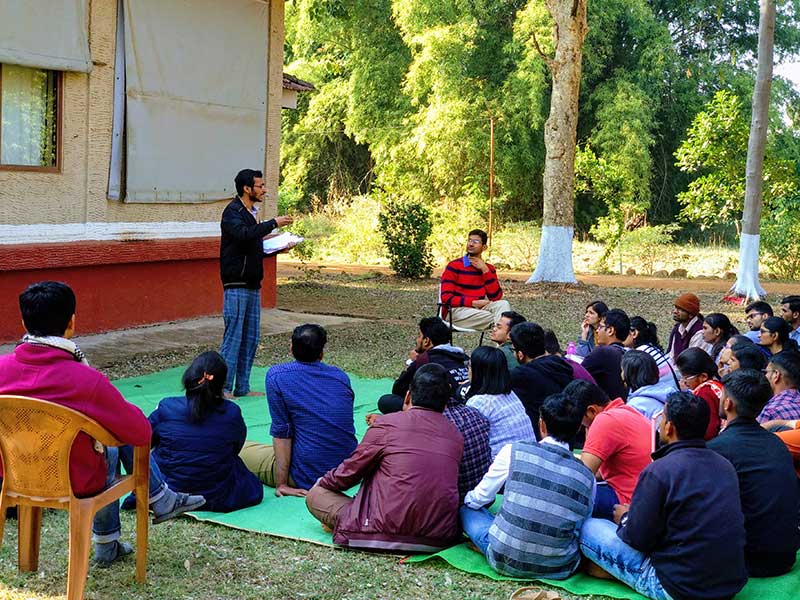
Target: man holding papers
x,y
240,260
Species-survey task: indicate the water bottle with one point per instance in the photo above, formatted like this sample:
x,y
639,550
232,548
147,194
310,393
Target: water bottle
x,y
571,349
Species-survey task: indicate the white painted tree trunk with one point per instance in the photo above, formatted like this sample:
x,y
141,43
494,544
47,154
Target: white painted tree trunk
x,y
555,256
555,248
747,284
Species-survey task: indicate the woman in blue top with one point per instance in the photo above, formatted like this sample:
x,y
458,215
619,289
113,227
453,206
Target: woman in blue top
x,y
197,439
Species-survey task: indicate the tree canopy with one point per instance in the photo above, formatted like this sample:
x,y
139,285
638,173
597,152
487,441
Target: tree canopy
x,y
406,87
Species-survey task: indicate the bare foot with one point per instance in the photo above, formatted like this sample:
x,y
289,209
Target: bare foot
x,y
326,529
596,571
227,395
252,394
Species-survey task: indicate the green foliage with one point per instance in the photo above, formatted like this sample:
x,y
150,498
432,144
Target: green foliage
x,y
648,243
716,151
406,226
780,236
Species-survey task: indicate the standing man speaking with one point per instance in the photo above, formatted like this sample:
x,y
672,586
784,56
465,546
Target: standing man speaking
x,y
241,256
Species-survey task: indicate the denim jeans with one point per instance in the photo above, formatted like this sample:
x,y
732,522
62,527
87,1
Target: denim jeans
x,y
604,500
601,545
106,527
476,524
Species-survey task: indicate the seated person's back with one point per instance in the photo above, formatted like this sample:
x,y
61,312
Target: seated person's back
x,y
407,465
618,444
311,405
539,375
548,494
768,486
197,439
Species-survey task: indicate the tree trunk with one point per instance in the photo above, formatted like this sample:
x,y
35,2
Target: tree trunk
x,y
747,284
555,248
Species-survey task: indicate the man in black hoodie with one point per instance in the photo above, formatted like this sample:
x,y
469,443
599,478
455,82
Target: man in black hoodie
x,y
241,255
539,374
432,346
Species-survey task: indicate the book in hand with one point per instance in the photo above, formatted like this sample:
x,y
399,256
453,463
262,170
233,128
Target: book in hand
x,y
276,243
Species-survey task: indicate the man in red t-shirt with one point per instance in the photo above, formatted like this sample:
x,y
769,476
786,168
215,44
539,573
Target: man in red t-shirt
x,y
617,448
469,287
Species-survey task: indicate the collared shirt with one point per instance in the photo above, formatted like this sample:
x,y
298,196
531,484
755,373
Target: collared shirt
x,y
795,335
697,339
785,405
508,421
477,457
311,404
486,491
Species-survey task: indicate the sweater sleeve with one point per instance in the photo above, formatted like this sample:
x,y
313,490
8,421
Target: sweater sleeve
x,y
125,421
491,285
363,460
646,518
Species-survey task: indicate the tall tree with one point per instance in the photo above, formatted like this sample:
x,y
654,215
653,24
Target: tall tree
x,y
555,248
747,284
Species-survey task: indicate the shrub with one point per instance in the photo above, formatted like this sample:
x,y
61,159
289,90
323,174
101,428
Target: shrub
x,y
357,238
406,227
780,234
516,246
648,244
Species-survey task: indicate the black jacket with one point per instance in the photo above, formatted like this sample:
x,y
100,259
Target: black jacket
x,y
769,494
452,358
533,382
686,515
241,252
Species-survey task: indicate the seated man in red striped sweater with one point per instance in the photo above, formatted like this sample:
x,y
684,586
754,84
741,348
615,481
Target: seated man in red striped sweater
x,y
471,289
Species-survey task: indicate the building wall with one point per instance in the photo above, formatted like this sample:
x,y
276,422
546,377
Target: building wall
x,y
119,282
78,193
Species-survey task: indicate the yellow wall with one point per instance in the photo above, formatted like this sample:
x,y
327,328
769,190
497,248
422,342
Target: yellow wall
x,y
78,193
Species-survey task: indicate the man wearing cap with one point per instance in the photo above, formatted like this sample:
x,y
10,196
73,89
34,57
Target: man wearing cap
x,y
688,330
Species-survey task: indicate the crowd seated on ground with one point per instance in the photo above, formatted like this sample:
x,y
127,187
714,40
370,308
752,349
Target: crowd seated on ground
x,y
659,468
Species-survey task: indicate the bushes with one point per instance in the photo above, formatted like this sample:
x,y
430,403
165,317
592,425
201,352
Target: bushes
x,y
780,235
406,227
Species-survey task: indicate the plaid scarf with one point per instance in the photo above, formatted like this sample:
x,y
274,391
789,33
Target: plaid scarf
x,y
56,342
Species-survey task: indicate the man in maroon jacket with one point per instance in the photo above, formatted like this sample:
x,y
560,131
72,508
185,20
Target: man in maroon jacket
x,y
470,289
407,465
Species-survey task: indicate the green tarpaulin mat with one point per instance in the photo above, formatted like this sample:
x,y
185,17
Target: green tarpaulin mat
x,y
288,517
283,517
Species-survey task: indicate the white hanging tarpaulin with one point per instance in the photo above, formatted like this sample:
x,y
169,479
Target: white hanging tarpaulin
x,y
46,34
196,96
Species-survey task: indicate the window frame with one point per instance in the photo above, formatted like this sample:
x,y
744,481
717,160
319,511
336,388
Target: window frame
x,y
59,128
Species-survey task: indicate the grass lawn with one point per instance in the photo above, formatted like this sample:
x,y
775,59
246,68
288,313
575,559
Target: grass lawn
x,y
194,560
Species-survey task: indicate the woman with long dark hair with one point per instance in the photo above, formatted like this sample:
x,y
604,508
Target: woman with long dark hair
x,y
698,374
644,337
197,439
774,335
490,393
717,330
595,311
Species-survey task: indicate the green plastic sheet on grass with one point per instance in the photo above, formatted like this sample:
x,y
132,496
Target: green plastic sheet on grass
x,y
465,559
288,517
283,517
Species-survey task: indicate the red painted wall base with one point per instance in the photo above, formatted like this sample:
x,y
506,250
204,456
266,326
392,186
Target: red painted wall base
x,y
122,284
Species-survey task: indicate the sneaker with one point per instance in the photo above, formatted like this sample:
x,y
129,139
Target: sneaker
x,y
106,554
174,504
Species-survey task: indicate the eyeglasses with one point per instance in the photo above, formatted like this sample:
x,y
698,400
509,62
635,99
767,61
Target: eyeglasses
x,y
688,377
602,325
769,370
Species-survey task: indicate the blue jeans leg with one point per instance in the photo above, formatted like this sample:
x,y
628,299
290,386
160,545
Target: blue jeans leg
x,y
157,485
601,545
476,524
604,500
106,526
250,336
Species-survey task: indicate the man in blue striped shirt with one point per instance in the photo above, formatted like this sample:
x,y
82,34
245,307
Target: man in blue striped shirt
x,y
311,405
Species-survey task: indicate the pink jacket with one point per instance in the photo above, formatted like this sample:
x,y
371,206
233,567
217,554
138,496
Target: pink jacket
x,y
408,465
52,374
